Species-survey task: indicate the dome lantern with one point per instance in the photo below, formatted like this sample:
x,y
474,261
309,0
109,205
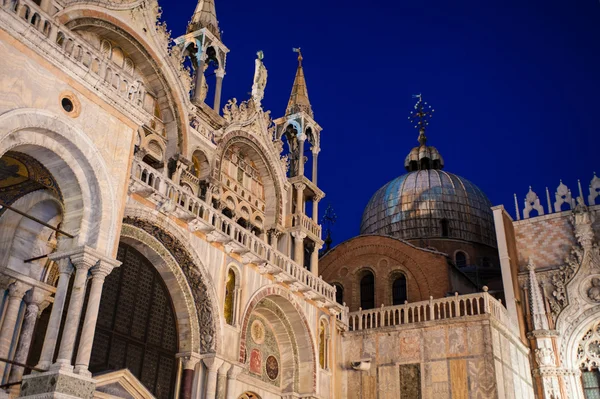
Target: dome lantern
x,y
423,157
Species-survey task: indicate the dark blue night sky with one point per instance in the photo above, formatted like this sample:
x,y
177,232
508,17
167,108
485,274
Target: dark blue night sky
x,y
515,85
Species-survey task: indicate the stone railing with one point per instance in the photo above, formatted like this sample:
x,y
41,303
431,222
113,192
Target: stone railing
x,y
189,178
77,56
435,309
171,198
307,223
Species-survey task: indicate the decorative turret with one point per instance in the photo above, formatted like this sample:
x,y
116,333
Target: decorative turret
x,y
299,98
298,128
205,16
202,44
423,157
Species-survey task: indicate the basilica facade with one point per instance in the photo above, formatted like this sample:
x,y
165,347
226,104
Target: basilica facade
x,y
160,242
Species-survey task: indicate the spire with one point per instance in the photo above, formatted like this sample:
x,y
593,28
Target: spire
x,y
299,98
536,301
205,16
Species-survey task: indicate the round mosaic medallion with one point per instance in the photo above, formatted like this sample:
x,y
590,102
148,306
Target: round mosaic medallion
x,y
257,331
272,367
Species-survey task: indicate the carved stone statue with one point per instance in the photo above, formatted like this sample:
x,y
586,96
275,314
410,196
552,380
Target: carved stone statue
x,y
260,79
545,356
594,292
582,220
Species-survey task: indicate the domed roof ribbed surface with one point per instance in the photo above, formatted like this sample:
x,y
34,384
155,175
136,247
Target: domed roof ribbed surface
x,y
430,203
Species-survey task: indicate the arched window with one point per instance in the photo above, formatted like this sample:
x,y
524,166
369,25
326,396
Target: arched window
x,y
461,259
445,227
367,291
399,290
231,286
339,293
136,326
323,345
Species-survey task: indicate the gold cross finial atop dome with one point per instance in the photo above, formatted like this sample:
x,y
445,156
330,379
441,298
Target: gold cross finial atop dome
x,y
420,117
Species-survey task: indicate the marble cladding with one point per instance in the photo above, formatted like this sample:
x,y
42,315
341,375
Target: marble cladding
x,y
58,383
453,359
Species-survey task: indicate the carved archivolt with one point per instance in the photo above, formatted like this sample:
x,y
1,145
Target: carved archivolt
x,y
204,309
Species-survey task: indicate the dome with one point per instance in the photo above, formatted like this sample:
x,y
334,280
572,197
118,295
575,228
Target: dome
x,y
430,203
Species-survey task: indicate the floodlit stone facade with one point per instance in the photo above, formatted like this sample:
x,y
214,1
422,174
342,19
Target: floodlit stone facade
x,y
156,241
550,268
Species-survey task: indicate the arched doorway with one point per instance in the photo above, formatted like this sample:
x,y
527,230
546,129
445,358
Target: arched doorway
x,y
136,326
249,395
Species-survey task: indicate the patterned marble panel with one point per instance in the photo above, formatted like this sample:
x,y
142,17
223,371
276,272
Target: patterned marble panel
x,y
496,343
509,386
410,346
435,344
369,386
370,347
410,381
388,383
499,377
475,340
482,383
388,344
457,345
458,379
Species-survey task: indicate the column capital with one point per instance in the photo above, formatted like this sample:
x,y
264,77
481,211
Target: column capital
x,y
220,73
315,150
37,296
302,137
299,235
224,369
104,267
189,360
300,186
17,289
212,363
235,371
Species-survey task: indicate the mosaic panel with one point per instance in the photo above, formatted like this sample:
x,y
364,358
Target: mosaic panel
x,y
263,359
410,381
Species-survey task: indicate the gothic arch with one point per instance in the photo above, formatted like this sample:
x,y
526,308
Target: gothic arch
x,y
274,182
82,16
197,289
574,333
299,340
78,167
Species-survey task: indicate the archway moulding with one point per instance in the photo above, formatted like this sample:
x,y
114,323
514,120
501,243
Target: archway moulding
x,y
301,334
62,141
201,290
154,51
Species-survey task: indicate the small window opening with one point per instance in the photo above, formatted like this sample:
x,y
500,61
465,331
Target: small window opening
x,y
67,105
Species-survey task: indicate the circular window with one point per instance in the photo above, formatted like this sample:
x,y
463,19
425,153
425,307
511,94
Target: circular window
x,y
67,105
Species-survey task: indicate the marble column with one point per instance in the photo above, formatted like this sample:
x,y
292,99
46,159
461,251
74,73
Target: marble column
x,y
33,300
300,198
315,152
219,86
314,260
232,376
189,362
301,139
199,80
65,269
83,262
99,273
299,247
222,380
315,214
16,291
212,366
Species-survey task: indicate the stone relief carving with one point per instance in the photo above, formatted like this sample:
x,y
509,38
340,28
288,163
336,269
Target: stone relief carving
x,y
206,319
594,292
238,113
544,357
588,351
562,278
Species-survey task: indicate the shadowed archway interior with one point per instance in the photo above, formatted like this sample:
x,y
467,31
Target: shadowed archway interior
x,y
136,325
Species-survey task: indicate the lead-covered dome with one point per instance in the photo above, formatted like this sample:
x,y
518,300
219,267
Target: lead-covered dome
x,y
430,203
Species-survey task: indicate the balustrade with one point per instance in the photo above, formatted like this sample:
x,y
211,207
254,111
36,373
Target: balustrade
x,y
434,309
307,223
205,218
90,65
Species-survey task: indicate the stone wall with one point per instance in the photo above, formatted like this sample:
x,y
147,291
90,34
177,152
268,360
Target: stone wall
x,y
445,359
